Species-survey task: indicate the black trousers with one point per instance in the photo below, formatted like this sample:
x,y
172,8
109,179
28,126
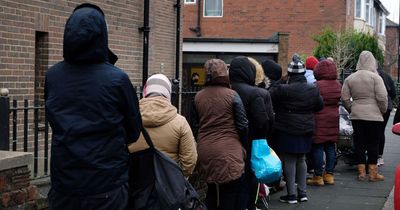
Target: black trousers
x,y
382,136
116,199
366,139
222,196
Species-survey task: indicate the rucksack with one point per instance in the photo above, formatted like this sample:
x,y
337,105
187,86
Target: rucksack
x,y
156,182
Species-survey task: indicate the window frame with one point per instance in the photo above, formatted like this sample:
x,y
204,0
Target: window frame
x,y
186,2
204,10
362,8
368,11
382,24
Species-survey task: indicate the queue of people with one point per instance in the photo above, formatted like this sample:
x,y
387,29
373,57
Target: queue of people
x,y
96,121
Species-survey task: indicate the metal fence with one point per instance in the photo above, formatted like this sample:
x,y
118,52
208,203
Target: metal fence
x,y
24,127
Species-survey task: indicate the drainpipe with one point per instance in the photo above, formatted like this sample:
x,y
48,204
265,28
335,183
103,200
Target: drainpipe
x,y
146,30
178,38
197,30
398,48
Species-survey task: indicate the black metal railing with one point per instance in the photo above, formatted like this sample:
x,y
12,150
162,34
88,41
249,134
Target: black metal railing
x,y
24,126
35,128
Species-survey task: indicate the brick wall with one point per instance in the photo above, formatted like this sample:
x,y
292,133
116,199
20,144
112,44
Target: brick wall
x,y
391,54
22,19
259,19
31,40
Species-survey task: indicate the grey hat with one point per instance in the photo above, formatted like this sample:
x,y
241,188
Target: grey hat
x,y
296,65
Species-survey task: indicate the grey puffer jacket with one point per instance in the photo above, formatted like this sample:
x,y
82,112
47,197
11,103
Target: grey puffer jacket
x,y
364,94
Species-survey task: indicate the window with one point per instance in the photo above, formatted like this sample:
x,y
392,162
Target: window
x,y
381,26
190,1
358,8
213,8
368,9
373,19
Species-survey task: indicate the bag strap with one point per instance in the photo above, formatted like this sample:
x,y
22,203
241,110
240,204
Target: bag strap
x,y
147,138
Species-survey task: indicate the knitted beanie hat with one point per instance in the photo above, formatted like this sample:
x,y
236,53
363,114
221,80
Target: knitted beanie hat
x,y
158,84
296,66
311,62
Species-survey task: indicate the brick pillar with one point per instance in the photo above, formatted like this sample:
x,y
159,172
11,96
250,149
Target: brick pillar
x,y
283,56
15,188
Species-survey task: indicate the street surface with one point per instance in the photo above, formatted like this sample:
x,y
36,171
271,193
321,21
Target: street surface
x,y
348,193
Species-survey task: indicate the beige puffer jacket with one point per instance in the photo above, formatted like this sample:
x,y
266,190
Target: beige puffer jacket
x,y
366,89
169,131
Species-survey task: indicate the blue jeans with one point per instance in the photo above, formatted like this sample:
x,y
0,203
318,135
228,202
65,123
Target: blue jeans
x,y
318,156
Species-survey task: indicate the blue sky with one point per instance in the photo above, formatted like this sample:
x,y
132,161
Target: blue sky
x,y
393,7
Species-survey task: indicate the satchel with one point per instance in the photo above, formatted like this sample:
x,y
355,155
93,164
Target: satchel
x,y
157,182
266,165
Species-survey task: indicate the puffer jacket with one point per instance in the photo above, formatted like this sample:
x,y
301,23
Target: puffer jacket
x,y
223,123
327,120
257,101
170,132
92,109
295,104
364,94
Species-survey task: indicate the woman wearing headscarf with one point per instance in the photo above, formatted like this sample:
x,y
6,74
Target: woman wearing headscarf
x,y
295,104
222,133
365,97
170,132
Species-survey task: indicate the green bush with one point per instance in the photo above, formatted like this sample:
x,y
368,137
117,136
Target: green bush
x,y
343,44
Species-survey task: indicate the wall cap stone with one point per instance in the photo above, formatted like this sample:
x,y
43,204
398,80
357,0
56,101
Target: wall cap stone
x,y
9,160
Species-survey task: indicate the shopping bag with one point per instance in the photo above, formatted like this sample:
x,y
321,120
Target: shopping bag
x,y
345,126
265,164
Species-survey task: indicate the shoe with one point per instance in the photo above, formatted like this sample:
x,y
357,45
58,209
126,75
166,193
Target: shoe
x,y
380,162
361,172
316,181
302,198
328,178
290,199
374,176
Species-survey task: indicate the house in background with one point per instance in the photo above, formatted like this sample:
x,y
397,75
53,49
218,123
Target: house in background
x,y
226,28
370,17
392,44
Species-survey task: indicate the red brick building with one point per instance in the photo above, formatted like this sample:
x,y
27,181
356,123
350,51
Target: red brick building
x,y
257,21
31,39
392,44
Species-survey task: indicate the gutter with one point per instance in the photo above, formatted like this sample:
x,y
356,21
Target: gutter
x,y
146,31
197,29
178,38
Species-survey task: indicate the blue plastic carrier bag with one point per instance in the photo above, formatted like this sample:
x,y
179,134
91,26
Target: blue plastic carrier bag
x,y
265,164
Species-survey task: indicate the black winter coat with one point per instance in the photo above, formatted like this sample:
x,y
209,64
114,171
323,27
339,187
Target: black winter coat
x,y
256,101
294,104
390,87
92,109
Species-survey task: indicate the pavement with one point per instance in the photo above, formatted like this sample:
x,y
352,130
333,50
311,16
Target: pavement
x,y
349,194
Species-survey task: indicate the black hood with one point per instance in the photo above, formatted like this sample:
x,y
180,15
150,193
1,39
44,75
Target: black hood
x,y
85,37
241,70
272,70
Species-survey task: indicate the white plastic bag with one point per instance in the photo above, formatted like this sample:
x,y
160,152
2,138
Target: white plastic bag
x,y
345,126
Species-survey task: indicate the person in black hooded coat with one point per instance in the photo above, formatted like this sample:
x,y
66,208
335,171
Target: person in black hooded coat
x,y
391,91
295,104
257,103
94,113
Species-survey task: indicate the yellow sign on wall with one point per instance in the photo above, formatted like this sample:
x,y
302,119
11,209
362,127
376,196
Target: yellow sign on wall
x,y
198,75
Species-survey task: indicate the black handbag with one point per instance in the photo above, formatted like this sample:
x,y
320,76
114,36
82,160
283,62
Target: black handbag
x,y
156,182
